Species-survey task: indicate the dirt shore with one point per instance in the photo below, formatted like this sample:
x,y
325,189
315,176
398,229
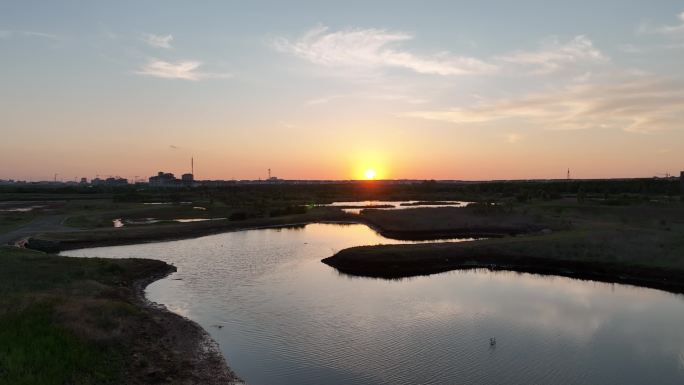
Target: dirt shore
x,y
69,320
171,349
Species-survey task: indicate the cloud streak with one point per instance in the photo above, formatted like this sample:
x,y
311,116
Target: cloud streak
x,y
643,105
375,48
667,30
184,70
159,41
554,55
6,34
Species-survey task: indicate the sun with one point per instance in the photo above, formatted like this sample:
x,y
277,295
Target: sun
x,y
369,174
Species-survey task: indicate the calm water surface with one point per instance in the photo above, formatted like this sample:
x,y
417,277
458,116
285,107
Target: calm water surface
x,y
289,319
396,205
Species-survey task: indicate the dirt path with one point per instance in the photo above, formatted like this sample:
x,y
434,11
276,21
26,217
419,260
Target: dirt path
x,y
50,223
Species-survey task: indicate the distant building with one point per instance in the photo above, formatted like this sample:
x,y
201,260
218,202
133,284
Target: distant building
x,y
188,179
164,179
84,180
681,181
111,181
116,181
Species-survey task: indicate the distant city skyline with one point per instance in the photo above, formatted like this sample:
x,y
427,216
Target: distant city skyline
x,y
450,90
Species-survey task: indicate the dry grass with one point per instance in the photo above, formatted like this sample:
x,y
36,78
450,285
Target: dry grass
x,y
473,219
67,320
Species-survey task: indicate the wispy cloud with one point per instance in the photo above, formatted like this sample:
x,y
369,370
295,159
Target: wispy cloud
x,y
6,34
375,48
173,147
642,105
322,100
554,55
159,41
668,30
185,70
379,48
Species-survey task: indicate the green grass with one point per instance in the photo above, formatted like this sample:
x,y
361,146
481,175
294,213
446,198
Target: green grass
x,y
35,349
25,271
65,320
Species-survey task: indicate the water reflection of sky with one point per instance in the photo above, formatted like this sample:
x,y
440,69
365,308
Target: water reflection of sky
x,y
396,205
289,319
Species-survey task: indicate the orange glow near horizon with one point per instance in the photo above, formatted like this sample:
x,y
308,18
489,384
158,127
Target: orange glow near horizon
x,y
33,157
371,164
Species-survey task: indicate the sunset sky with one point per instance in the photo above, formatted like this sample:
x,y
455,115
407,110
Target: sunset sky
x,y
326,90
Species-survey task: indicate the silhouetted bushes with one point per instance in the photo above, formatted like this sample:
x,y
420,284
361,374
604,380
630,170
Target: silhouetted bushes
x,y
289,210
238,216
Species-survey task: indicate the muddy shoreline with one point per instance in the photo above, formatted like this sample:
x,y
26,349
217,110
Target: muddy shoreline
x,y
182,351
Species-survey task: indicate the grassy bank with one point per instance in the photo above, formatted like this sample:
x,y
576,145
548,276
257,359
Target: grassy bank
x,y
82,321
52,242
640,244
66,321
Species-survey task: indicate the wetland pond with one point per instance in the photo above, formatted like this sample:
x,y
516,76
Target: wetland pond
x,y
281,316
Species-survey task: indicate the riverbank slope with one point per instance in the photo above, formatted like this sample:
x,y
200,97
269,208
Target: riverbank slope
x,y
86,321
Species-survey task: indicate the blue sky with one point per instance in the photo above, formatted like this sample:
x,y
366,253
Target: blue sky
x,y
434,89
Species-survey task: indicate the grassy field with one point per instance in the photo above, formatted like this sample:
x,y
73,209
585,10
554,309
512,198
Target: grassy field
x,y
56,241
473,220
9,222
66,320
77,218
12,215
101,213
